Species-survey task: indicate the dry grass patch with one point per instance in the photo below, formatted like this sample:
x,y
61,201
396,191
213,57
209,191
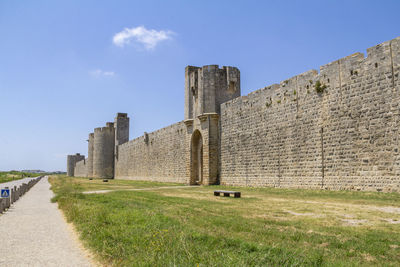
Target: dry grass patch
x,y
332,213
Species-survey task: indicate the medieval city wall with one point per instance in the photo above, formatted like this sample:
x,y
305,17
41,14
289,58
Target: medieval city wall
x,y
81,168
336,129
344,137
156,156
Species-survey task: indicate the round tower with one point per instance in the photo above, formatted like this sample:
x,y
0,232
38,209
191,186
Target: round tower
x,y
71,162
103,151
70,165
90,155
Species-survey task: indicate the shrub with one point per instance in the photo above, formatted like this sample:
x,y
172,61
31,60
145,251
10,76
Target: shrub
x,y
319,87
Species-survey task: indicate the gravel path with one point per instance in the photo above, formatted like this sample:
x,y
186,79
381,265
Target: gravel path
x,y
33,232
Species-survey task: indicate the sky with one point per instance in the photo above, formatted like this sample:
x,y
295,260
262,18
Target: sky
x,y
68,66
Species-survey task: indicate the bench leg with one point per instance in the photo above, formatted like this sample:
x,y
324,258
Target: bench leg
x,y
216,194
237,195
226,194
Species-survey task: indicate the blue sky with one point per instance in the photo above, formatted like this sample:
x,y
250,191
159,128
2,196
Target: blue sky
x,y
64,70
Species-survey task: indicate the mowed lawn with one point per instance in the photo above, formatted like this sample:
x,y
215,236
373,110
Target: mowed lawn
x,y
266,227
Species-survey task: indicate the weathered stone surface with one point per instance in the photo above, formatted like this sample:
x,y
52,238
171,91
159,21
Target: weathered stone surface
x,y
158,156
103,152
71,162
81,168
336,129
89,161
346,137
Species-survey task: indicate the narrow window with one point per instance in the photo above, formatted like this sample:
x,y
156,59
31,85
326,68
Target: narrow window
x,y
232,87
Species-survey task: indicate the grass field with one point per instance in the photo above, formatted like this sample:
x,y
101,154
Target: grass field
x,y
266,227
15,175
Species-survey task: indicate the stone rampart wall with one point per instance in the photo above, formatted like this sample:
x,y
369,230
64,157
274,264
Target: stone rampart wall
x,y
346,137
156,156
81,168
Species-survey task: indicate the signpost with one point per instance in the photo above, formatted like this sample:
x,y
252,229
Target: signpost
x,y
5,193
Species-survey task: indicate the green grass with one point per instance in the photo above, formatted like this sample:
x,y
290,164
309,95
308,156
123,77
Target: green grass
x,y
15,175
266,227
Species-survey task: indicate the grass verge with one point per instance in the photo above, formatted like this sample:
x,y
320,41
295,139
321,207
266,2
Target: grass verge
x,y
266,227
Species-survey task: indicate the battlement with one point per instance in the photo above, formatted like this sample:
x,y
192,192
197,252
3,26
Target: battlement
x,y
209,68
212,68
104,129
122,115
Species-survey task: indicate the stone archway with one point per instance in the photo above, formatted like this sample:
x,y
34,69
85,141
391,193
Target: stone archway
x,y
196,158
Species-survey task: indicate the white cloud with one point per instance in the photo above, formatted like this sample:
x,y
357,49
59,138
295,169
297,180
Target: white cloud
x,y
100,73
148,38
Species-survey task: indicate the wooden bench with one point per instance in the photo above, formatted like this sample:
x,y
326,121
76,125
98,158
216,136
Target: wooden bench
x,y
226,193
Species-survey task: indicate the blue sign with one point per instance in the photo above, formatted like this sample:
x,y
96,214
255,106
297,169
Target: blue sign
x,y
5,193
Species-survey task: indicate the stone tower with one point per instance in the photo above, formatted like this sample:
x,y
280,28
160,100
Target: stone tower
x,y
71,161
90,155
121,125
103,151
206,88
